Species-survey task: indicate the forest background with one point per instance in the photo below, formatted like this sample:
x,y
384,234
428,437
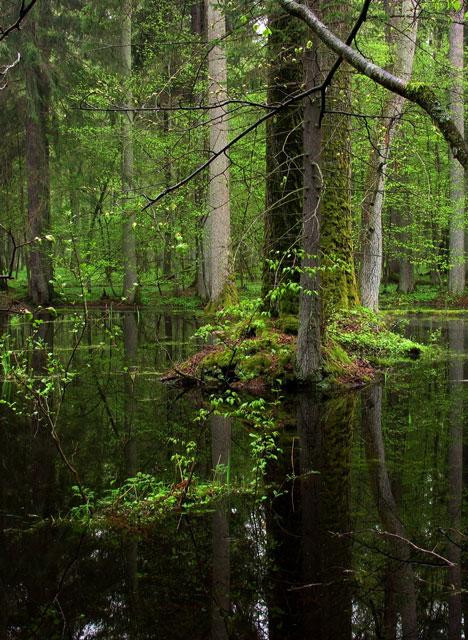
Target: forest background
x,y
154,149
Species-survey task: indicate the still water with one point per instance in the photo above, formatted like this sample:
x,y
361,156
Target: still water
x,y
361,533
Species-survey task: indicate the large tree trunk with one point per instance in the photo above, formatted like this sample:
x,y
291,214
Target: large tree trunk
x,y
37,166
309,334
338,286
218,224
401,38
128,237
457,174
284,181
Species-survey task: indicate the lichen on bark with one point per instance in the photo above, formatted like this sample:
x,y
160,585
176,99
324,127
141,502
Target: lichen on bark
x,y
338,277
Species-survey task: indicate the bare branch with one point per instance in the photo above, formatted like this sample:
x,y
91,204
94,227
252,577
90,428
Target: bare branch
x,y
6,69
23,12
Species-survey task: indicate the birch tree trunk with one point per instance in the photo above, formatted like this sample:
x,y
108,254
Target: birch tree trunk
x,y
128,236
217,226
456,282
401,37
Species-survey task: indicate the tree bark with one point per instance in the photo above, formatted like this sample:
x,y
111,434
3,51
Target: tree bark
x,y
456,279
338,279
284,180
401,39
37,166
218,224
128,237
309,334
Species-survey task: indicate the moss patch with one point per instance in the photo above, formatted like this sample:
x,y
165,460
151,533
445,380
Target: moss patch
x,y
364,335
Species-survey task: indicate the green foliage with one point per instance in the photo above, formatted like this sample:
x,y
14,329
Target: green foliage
x,y
364,334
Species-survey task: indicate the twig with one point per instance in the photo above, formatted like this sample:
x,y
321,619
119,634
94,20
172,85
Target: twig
x,y
23,12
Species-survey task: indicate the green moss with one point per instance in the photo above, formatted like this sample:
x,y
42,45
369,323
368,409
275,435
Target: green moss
x,y
357,341
228,297
289,324
338,278
364,334
335,359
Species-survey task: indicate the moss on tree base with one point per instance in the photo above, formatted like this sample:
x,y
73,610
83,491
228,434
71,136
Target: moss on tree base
x,y
357,346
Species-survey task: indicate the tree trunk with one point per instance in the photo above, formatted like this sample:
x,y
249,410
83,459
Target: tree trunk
x,y
217,226
284,139
309,335
128,236
401,39
421,94
37,166
457,175
339,288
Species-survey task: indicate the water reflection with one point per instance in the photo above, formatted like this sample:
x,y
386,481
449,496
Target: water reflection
x,y
221,567
455,479
365,501
399,579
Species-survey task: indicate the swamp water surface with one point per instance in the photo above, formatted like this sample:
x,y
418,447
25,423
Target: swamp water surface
x,y
359,532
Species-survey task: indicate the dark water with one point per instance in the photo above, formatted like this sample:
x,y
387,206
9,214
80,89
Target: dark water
x,y
362,533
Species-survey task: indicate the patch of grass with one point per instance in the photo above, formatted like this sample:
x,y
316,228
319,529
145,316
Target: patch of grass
x,y
364,334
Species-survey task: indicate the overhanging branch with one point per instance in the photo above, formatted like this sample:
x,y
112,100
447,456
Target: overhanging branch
x,y
25,8
419,93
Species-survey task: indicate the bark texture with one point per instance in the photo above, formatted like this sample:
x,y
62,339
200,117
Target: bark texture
x,y
37,163
401,38
128,237
309,335
338,280
283,206
218,225
457,174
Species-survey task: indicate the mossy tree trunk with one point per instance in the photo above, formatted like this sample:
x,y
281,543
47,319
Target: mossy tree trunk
x,y
309,335
338,279
284,181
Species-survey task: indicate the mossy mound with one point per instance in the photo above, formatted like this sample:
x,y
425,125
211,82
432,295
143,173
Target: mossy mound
x,y
255,354
363,334
265,356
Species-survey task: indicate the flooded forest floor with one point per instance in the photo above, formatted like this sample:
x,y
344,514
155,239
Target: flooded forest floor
x,y
135,508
